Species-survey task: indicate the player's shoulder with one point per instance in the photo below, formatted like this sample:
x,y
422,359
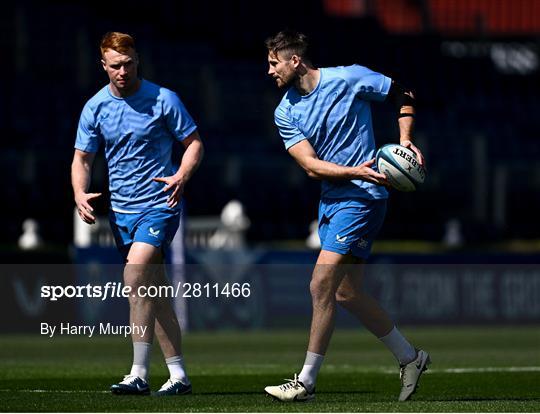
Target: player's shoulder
x,y
286,104
347,71
149,87
98,99
161,93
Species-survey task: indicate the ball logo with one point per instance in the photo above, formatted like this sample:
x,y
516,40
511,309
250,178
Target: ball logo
x,y
400,166
413,163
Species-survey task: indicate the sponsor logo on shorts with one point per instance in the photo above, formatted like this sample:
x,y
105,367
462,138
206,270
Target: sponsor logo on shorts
x,y
341,239
153,233
363,244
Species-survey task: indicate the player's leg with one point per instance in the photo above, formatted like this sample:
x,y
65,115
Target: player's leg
x,y
352,297
326,277
329,271
325,280
157,228
167,328
169,335
138,275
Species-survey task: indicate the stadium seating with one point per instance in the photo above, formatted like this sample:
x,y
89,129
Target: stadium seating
x,y
463,100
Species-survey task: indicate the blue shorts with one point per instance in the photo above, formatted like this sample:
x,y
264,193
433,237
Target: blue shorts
x,y
350,225
154,226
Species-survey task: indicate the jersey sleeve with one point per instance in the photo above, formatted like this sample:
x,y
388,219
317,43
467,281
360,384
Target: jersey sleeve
x,y
289,132
88,136
179,121
369,85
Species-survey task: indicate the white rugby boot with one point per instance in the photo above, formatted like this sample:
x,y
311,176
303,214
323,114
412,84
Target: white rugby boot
x,y
291,391
410,374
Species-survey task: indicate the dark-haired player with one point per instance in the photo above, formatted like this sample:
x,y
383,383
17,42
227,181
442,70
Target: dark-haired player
x,y
324,119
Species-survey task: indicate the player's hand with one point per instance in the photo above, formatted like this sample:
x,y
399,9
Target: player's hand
x,y
84,208
367,173
408,144
175,185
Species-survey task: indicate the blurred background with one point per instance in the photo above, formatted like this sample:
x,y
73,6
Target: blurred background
x,y
474,65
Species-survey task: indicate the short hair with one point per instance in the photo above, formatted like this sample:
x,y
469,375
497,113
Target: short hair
x,y
289,42
120,42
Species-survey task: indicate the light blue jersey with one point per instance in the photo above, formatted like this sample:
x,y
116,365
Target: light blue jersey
x,y
336,119
138,133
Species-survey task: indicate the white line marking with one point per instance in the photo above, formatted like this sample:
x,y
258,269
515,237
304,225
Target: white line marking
x,y
464,370
488,369
60,391
332,367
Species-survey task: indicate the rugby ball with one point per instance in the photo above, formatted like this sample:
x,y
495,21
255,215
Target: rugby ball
x,y
400,166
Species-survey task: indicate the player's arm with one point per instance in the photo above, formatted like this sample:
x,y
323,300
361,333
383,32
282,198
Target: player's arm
x,y
193,155
404,101
305,156
81,172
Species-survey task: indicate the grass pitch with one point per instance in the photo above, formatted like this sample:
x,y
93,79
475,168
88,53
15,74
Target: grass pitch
x,y
474,369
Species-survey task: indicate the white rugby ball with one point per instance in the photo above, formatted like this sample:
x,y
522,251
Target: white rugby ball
x,y
400,166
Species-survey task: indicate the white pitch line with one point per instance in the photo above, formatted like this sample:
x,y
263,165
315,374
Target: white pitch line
x,y
470,370
489,369
382,371
60,391
464,370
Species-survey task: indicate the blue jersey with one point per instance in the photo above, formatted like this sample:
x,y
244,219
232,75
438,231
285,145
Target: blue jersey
x,y
138,133
336,119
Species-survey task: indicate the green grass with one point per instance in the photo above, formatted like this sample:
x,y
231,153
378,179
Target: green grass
x,y
229,370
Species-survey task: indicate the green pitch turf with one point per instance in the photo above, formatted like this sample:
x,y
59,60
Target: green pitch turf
x,y
474,369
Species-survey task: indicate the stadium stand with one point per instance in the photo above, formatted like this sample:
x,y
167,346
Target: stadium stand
x,y
476,90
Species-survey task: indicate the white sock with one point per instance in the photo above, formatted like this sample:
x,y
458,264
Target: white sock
x,y
399,346
141,359
177,369
311,368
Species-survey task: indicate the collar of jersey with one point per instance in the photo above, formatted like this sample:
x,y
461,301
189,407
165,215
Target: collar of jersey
x,y
316,87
